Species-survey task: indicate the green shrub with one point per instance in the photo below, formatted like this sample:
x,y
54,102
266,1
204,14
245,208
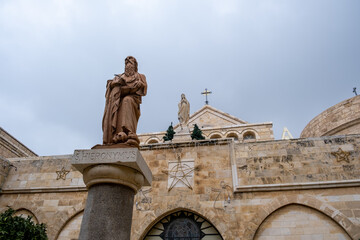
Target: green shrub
x,y
19,228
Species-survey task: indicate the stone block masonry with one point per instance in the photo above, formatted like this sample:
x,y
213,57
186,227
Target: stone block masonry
x,y
61,203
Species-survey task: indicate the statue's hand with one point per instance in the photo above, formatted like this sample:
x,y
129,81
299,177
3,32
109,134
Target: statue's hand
x,y
138,84
125,90
114,83
120,80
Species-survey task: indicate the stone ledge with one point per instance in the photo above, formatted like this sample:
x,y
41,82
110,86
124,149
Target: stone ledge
x,y
192,143
297,186
44,190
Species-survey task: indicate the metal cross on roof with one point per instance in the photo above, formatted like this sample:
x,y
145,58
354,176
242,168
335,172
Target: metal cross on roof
x,y
206,93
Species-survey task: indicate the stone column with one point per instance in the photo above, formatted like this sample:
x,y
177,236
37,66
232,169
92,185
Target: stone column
x,y
113,176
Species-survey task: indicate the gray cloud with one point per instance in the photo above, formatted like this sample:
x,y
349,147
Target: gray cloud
x,y
280,61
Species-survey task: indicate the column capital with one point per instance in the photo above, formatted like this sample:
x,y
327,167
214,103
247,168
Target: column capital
x,y
112,173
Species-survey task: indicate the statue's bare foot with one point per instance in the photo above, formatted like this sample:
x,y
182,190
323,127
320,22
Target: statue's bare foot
x,y
120,137
132,142
133,139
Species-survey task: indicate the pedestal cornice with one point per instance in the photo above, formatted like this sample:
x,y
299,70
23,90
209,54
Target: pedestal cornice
x,y
123,166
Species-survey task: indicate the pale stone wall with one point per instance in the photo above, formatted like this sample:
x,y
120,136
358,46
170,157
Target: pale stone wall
x,y
212,166
207,119
342,118
4,170
246,211
298,161
295,222
257,207
42,174
53,208
35,186
218,175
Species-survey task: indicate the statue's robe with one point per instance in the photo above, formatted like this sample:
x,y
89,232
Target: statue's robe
x,y
122,107
184,112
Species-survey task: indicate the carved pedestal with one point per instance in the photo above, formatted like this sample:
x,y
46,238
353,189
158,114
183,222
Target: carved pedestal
x,y
113,176
182,135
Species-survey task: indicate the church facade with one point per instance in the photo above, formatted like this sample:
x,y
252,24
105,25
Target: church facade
x,y
237,183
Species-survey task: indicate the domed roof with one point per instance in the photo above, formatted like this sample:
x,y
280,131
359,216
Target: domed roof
x,y
340,119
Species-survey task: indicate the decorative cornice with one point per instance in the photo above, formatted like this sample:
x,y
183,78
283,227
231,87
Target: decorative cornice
x,y
44,190
297,186
195,143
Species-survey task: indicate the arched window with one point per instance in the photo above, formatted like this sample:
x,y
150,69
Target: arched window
x,y
249,135
215,136
183,225
232,135
152,141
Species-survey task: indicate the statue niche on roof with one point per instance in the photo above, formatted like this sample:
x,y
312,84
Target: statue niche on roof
x,y
122,107
184,111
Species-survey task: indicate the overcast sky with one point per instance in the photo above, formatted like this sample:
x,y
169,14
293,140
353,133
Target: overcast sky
x,y
280,61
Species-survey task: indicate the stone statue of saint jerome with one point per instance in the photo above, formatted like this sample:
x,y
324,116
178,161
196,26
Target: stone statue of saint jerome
x,y
122,107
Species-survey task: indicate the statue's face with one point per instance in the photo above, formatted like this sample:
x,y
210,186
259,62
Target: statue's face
x,y
128,65
182,96
129,68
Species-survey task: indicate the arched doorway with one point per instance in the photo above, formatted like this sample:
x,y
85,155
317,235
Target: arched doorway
x,y
71,229
299,222
183,225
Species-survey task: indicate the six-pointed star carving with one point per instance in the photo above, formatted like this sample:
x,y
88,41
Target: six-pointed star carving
x,y
341,155
62,174
180,173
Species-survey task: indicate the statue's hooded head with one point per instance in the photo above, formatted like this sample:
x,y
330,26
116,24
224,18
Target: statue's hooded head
x,y
131,66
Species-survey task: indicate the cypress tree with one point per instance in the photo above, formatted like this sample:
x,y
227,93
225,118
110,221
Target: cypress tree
x,y
169,135
197,133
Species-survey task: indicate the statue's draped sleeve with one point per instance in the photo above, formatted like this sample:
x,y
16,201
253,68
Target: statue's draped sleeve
x,y
143,90
112,97
107,99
